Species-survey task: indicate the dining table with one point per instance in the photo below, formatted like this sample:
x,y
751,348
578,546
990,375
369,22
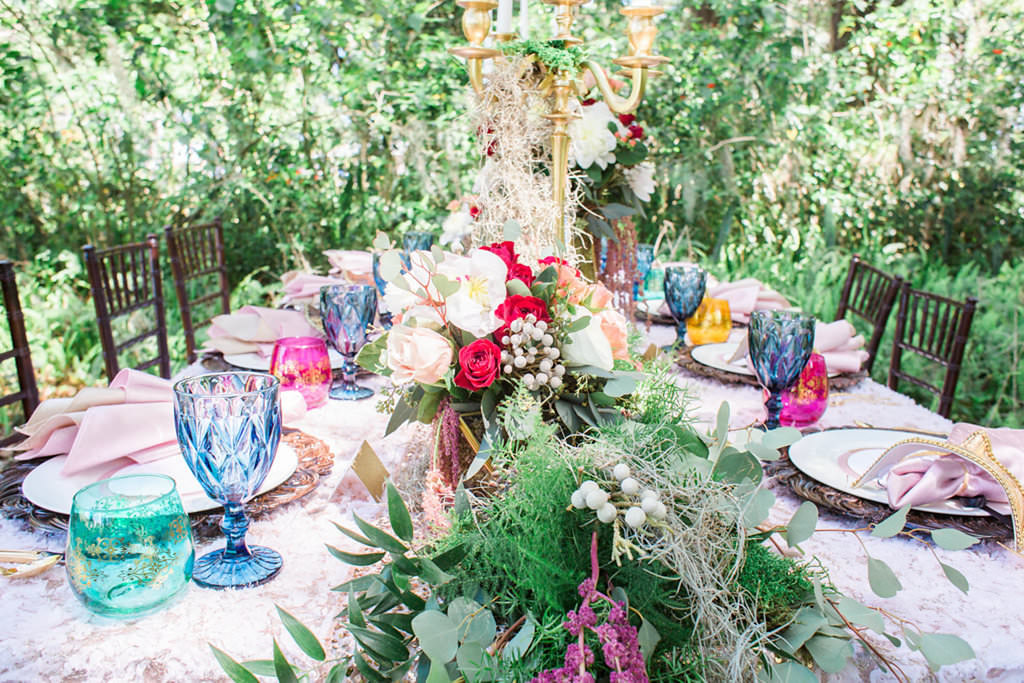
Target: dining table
x,y
47,635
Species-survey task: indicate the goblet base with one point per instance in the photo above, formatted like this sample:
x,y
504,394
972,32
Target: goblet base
x,y
350,393
215,570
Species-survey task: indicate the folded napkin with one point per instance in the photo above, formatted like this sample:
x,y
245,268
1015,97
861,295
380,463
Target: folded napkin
x,y
254,329
971,462
305,287
745,296
355,266
841,346
132,420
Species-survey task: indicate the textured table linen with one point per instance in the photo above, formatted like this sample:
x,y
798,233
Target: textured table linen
x,y
47,635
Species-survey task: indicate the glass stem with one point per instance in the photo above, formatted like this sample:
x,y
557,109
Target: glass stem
x,y
234,524
681,332
348,371
774,406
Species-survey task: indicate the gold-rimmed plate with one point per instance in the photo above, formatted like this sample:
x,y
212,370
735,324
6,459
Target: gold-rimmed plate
x,y
838,458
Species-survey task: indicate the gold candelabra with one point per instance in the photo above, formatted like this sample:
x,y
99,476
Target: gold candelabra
x,y
564,83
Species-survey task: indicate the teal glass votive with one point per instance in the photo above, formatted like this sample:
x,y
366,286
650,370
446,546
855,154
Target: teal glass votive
x,y
129,545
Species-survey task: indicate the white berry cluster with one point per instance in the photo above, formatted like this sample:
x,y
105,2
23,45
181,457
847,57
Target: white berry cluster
x,y
590,495
531,352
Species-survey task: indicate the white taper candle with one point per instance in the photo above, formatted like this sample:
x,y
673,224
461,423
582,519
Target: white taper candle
x,y
524,20
504,16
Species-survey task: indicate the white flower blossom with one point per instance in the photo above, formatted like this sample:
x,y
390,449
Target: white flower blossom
x,y
458,225
641,180
591,141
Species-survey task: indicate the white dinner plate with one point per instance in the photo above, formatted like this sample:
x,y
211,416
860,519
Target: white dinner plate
x,y
254,361
717,356
47,488
838,457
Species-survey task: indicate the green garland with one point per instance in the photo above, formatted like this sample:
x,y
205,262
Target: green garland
x,y
551,53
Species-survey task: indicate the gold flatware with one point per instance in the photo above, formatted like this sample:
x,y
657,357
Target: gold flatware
x,y
33,562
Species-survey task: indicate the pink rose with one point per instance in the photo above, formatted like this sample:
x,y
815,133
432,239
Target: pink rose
x,y
417,354
613,326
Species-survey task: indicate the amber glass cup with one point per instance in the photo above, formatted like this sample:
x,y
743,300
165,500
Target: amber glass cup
x,y
711,323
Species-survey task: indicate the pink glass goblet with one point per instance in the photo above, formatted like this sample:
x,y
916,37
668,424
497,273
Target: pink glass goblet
x,y
805,402
302,364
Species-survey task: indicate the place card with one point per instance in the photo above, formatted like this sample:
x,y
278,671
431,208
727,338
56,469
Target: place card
x,y
370,470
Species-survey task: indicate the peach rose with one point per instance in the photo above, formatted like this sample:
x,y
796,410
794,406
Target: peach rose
x,y
417,354
597,296
613,325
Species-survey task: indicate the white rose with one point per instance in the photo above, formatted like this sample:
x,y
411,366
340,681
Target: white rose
x,y
588,346
590,139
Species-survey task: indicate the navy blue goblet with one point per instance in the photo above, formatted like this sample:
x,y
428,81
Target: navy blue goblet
x,y
644,261
382,314
415,241
228,426
347,311
684,290
780,345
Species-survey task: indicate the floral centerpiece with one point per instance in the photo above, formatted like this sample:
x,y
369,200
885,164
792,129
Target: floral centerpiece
x,y
472,329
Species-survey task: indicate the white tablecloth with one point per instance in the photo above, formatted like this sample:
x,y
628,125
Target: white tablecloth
x,y
47,635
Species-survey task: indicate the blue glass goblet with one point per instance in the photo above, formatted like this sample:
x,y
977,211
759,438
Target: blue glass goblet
x,y
780,344
229,425
415,241
684,290
382,314
347,311
644,261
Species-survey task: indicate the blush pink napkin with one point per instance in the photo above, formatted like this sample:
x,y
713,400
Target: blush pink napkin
x,y
254,329
299,286
934,476
746,296
355,266
133,418
841,346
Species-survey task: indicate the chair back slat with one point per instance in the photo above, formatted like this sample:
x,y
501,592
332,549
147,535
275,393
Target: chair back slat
x,y
126,280
28,392
870,294
197,251
935,328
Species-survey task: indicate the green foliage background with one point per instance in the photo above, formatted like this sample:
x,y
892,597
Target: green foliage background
x,y
787,135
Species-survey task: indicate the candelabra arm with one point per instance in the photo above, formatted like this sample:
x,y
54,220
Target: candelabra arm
x,y
618,104
475,69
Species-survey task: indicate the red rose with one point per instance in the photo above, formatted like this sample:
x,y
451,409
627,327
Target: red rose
x,y
519,306
626,119
636,132
521,272
505,250
474,211
556,261
589,101
479,364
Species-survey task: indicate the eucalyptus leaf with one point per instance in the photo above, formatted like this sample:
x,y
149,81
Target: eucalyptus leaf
x,y
371,356
444,286
892,525
621,385
802,525
578,325
614,212
567,415
474,622
391,266
781,437
521,641
882,579
302,636
462,505
517,286
736,467
953,539
235,671
759,504
437,253
829,653
438,635
861,615
381,242
955,577
647,636
405,410
437,673
473,662
511,231
805,624
398,513
942,649
791,672
762,452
